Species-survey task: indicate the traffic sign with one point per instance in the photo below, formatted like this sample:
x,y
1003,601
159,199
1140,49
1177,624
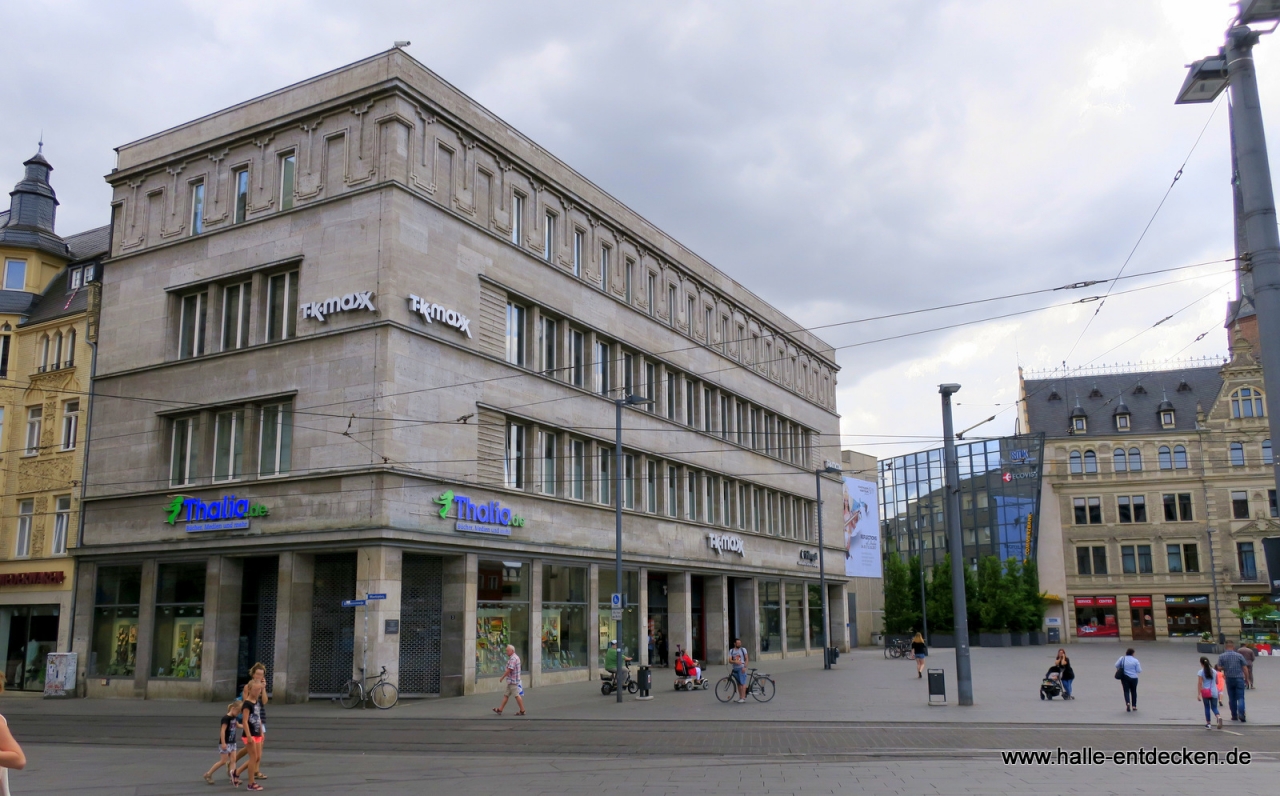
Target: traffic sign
x,y
376,597
617,614
352,603
616,602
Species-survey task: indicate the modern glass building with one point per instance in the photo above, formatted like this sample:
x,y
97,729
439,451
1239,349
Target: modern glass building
x,y
999,500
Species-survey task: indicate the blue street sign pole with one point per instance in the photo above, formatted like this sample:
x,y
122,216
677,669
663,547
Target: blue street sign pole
x,y
364,656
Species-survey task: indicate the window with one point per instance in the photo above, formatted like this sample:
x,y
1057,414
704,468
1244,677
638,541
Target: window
x,y
724,416
1248,564
690,495
1266,444
1088,511
181,451
600,372
1099,560
549,238
671,304
275,441
517,218
1135,460
235,316
707,405
4,356
197,208
1077,466
1166,420
1128,560
724,334
673,485
1091,560
282,306
90,271
706,323
577,352
1122,422
1090,462
628,374
1246,402
1166,458
1174,553
1240,505
742,506
741,423
1144,559
35,421
770,619
1179,457
515,334
56,362
70,424
240,185
26,510
513,463
61,524
178,646
651,488
15,274
577,468
71,348
671,396
604,268
628,481
725,490
1191,557
564,617
650,386
288,163
115,621
689,397
191,326
228,445
1120,460
652,294
1271,499
628,276
1237,454
1177,508
1079,425
708,500
604,480
548,480
547,331
688,313
1132,508
73,279
577,253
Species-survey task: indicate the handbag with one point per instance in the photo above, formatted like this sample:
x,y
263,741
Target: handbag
x,y
1119,673
1206,693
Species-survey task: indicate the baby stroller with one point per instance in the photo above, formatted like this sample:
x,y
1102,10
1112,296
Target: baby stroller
x,y
1051,685
685,673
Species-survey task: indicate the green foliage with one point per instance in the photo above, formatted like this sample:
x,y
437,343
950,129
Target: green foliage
x,y
1012,584
1034,602
898,614
914,579
942,615
996,603
971,602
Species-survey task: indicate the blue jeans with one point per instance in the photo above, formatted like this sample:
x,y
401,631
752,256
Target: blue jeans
x,y
1130,685
1066,686
1235,696
1210,704
740,675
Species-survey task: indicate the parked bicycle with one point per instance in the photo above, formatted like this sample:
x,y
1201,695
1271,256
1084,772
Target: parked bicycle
x,y
382,694
759,685
899,649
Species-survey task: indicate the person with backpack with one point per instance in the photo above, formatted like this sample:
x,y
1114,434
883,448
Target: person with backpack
x,y
739,659
1207,692
1127,671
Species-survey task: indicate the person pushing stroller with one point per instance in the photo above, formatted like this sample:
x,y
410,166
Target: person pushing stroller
x,y
1051,685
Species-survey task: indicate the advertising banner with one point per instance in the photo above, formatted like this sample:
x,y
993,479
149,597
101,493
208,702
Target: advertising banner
x,y
60,675
861,529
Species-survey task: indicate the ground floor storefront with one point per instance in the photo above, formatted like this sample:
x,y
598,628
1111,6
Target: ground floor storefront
x,y
35,604
438,620
1155,616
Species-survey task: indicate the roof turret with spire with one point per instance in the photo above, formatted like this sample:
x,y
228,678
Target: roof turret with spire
x,y
32,209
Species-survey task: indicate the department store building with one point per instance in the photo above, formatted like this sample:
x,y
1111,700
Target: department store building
x,y
360,337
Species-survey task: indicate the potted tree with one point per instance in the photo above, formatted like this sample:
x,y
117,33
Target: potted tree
x,y
995,607
1206,644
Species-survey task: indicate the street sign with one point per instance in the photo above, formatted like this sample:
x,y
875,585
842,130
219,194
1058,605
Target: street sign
x,y
376,597
616,602
352,603
617,614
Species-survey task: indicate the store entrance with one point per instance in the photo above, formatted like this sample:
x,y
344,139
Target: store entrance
x,y
32,633
421,603
699,619
257,643
657,604
1141,619
332,626
1187,616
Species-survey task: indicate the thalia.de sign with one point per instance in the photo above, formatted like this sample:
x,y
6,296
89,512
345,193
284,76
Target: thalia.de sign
x,y
228,514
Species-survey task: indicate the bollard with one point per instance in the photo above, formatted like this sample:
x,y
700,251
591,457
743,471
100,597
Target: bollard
x,y
644,679
937,687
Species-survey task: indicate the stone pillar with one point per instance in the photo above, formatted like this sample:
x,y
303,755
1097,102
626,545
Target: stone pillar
x,y
593,621
679,613
86,574
838,606
224,583
1123,621
146,628
715,606
458,626
804,613
748,605
642,611
534,664
782,617
295,583
378,571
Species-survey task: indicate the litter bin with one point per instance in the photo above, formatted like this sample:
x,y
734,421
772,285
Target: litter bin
x,y
833,654
644,679
937,686
1055,635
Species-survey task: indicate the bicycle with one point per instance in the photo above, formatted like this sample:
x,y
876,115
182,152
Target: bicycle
x,y
382,694
759,685
899,649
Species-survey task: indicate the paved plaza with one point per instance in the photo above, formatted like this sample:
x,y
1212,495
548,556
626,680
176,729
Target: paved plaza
x,y
865,726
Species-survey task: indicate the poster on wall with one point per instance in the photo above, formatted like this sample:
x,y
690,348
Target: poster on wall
x,y
861,529
60,675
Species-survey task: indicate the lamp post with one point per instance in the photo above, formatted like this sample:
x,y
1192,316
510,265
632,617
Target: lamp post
x,y
618,403
829,469
924,610
1213,570
964,676
1233,67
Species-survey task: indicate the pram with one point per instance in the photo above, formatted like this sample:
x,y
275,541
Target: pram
x,y
685,679
1051,685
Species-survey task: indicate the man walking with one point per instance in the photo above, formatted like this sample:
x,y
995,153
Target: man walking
x,y
1233,664
511,676
739,659
1246,652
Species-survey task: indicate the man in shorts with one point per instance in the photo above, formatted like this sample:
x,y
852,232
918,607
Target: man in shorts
x,y
1246,652
739,659
511,676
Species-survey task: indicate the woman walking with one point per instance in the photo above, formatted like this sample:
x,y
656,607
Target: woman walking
x,y
1207,692
1127,671
921,651
1066,674
11,755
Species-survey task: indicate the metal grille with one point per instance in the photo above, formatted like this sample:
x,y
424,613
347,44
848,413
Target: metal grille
x,y
332,626
421,599
267,575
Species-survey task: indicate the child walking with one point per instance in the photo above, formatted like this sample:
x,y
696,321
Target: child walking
x,y
1207,692
227,745
1222,683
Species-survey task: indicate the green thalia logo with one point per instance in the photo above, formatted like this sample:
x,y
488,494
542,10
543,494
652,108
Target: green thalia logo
x,y
491,512
228,508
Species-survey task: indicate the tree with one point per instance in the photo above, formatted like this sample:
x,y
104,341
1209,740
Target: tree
x,y
914,580
897,596
1034,602
994,598
942,615
1013,586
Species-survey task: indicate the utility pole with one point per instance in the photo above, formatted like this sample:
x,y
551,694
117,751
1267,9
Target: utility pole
x,y
822,567
618,403
964,675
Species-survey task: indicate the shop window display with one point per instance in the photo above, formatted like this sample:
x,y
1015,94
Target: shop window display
x,y
502,615
1096,616
606,629
1187,616
178,648
815,617
115,621
795,616
32,633
564,617
770,616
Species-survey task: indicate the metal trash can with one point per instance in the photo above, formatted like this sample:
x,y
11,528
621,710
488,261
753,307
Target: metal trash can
x,y
833,654
937,686
644,679
1055,635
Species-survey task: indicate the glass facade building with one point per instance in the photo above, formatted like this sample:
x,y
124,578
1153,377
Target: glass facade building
x,y
999,500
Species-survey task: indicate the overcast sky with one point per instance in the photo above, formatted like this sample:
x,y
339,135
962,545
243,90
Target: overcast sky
x,y
843,160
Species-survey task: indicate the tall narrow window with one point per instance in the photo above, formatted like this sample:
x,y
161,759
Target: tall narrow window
x,y
1175,557
44,353
240,185
4,356
549,238
26,510
706,409
651,488
1266,444
605,276
1179,457
673,487
628,275
197,208
690,393
1121,460
724,416
726,489
275,445
577,350
577,253
548,346
71,348
70,424
671,396
35,423
282,306
604,483
56,362
724,334
235,316
181,451
517,218
288,164
1165,458
690,495
61,524
671,304
652,295
515,334
549,443
708,499
577,468
1248,562
650,386
628,481
1240,505
740,422
191,325
513,464
1135,460
628,374
1090,462
601,367
228,445
15,274
688,314
1237,454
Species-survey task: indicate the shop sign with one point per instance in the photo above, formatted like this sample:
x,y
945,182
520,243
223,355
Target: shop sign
x,y
808,558
1011,477
1139,602
228,514
33,578
1192,599
347,303
1100,601
723,542
434,312
1018,456
488,517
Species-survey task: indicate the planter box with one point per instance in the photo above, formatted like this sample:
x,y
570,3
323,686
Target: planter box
x,y
995,639
1019,640
1209,647
943,640
1035,638
975,639
877,639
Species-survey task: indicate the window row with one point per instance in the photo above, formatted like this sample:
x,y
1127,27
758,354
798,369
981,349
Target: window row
x,y
1122,460
23,538
53,352
1133,508
1238,454
555,463
220,317
286,181
68,429
211,445
1136,559
178,633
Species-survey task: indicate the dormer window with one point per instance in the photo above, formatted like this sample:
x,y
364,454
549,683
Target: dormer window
x,y
1079,425
1122,422
1246,402
1166,419
1095,392
73,280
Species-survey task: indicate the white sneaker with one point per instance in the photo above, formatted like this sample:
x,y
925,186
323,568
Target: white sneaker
x,y
740,701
